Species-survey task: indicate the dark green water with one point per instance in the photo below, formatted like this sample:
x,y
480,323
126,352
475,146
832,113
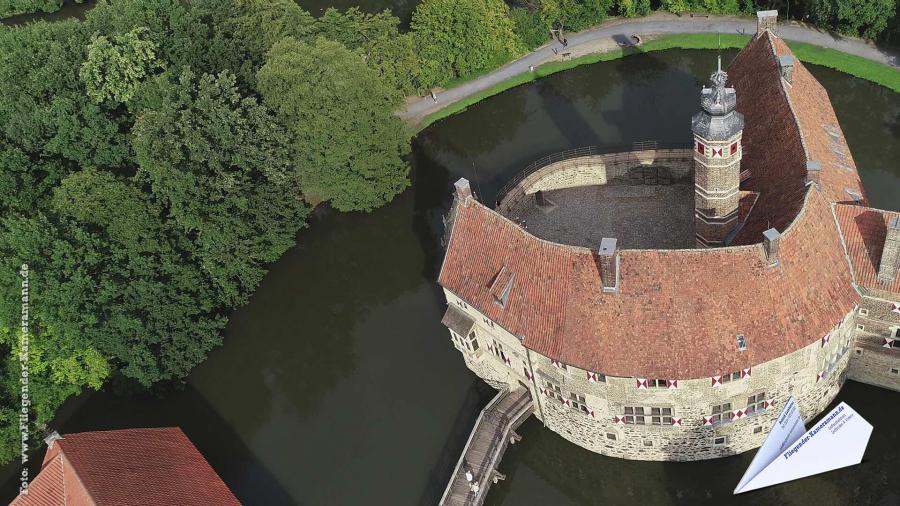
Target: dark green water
x,y
337,385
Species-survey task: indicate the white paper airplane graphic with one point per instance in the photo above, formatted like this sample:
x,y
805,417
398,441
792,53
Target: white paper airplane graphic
x,y
790,452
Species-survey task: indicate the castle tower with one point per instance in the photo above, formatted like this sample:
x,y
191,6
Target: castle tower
x,y
717,162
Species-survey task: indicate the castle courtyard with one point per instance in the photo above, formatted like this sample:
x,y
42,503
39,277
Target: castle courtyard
x,y
640,216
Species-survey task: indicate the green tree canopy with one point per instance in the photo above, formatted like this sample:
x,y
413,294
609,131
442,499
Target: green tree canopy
x,y
864,18
378,39
114,68
221,166
350,151
458,38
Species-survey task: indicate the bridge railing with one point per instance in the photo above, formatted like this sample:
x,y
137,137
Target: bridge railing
x,y
569,154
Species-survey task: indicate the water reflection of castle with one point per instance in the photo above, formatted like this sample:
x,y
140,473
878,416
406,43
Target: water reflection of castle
x,y
786,283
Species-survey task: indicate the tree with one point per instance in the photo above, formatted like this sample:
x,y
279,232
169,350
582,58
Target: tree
x,y
529,27
239,32
354,28
43,109
574,15
350,151
713,6
632,8
220,165
13,7
114,68
394,58
459,38
112,204
378,39
864,18
169,25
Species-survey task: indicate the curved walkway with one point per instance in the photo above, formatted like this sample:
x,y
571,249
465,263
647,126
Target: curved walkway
x,y
657,23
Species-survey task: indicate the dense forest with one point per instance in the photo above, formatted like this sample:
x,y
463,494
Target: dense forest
x,y
155,157
872,19
158,155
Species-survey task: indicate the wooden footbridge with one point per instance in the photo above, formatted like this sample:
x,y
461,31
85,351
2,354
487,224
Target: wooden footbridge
x,y
494,430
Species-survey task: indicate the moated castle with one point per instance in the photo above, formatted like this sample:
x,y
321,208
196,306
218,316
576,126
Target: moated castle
x,y
663,303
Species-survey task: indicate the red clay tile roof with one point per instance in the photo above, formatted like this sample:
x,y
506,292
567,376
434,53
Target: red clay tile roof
x,y
747,200
786,125
864,230
47,487
678,312
156,466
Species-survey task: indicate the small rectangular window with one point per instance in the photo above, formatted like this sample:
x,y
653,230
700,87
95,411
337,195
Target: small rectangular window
x,y
894,370
734,148
757,430
648,443
864,312
701,148
720,440
610,436
860,327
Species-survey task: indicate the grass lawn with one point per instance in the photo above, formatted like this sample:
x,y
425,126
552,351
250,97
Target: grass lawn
x,y
854,65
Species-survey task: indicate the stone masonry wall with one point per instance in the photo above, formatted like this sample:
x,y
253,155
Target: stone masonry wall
x,y
717,181
813,375
662,166
876,325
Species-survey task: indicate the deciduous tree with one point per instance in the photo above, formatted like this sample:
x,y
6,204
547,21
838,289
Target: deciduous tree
x,y
220,165
459,38
115,67
348,145
864,18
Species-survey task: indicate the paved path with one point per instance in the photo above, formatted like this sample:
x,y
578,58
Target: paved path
x,y
657,23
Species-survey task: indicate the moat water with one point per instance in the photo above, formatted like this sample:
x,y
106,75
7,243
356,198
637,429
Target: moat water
x,y
337,384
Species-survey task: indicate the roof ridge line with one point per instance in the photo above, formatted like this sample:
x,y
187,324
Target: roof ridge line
x,y
837,223
786,94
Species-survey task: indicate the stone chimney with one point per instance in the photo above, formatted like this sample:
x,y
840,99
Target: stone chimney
x,y
813,171
890,255
609,265
766,20
771,238
854,195
463,190
786,64
51,438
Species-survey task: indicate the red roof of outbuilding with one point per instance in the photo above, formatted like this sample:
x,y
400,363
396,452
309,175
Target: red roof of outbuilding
x,y
124,468
677,313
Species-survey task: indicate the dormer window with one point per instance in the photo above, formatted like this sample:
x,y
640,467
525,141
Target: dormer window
x,y
501,286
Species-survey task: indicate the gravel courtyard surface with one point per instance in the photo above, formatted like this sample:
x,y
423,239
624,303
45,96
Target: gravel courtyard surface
x,y
640,217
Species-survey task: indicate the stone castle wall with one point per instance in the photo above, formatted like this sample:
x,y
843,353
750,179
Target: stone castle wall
x,y
650,167
813,375
874,360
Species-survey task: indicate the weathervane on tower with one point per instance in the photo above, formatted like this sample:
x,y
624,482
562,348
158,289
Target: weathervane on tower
x,y
718,78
